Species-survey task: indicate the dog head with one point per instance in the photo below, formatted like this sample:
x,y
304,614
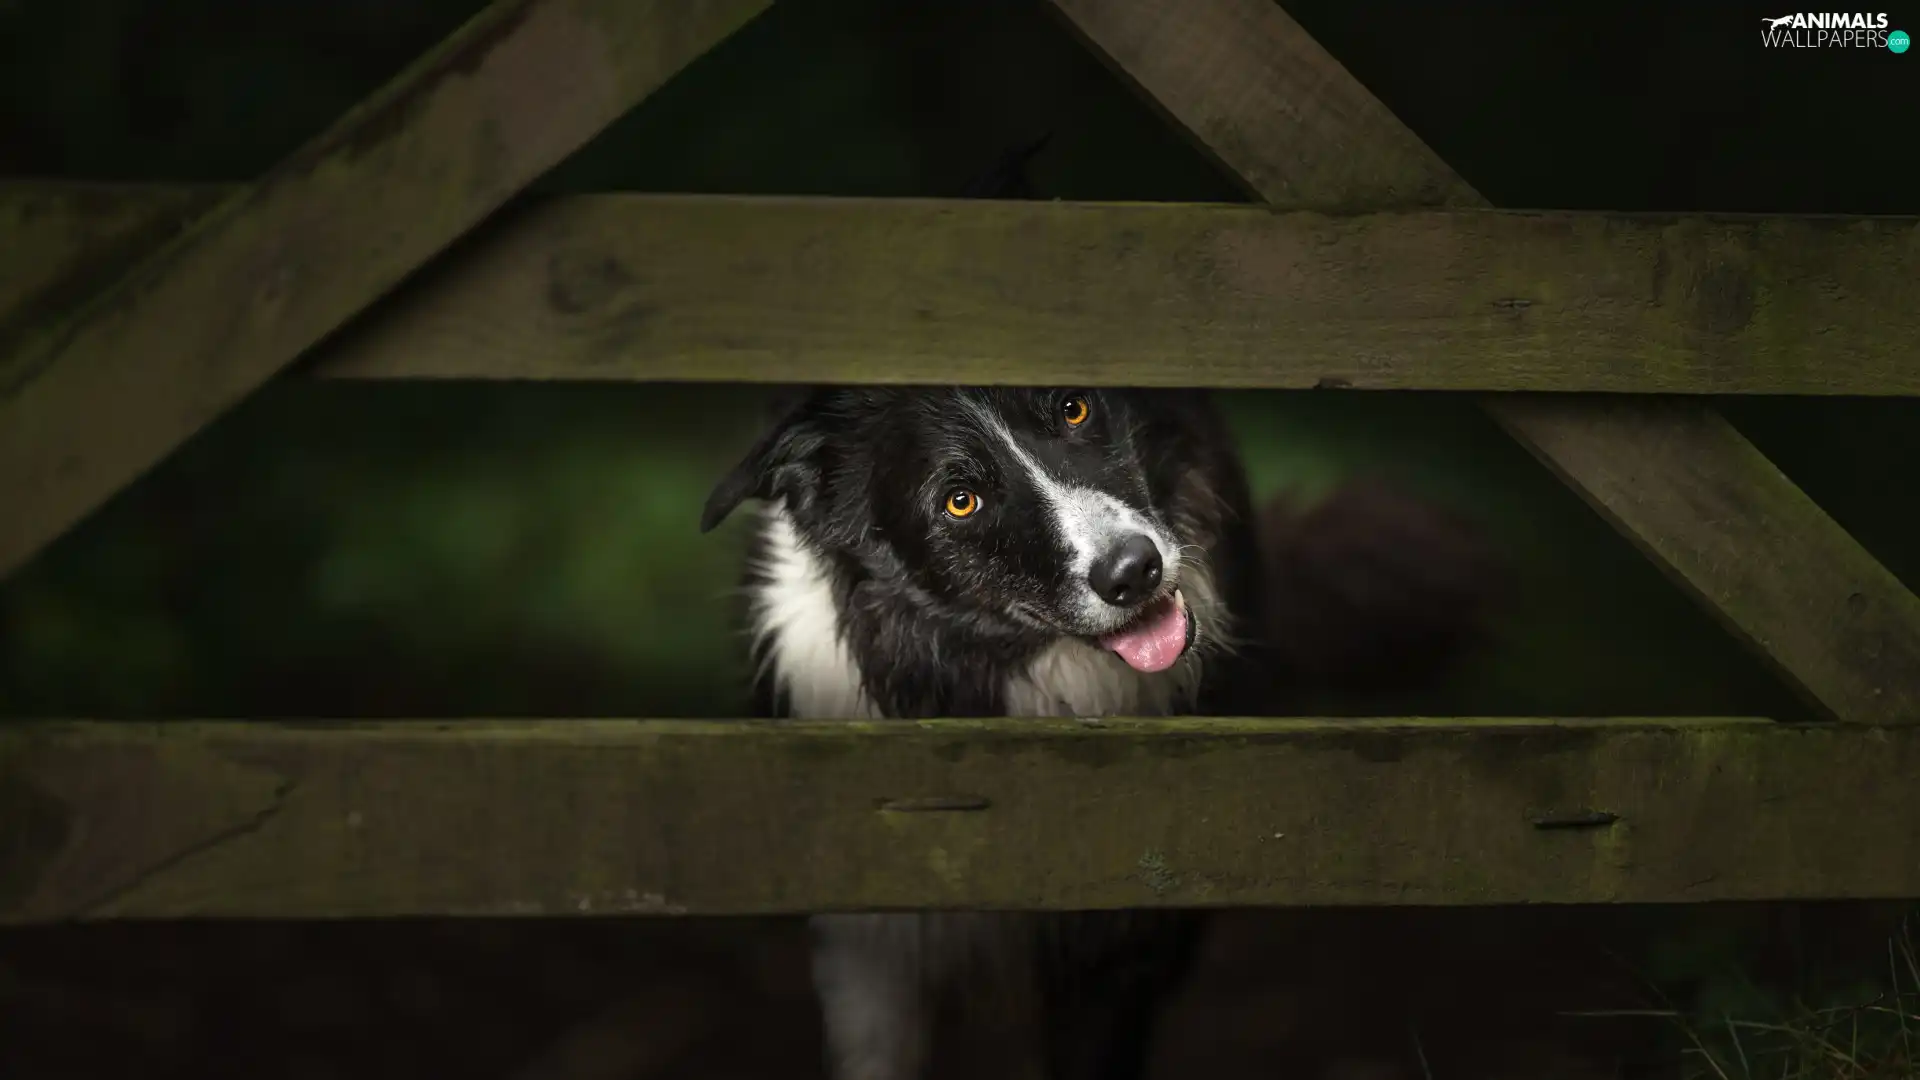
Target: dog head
x,y
1039,513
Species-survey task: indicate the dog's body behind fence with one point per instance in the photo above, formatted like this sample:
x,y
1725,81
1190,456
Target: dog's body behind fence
x,y
971,552
932,552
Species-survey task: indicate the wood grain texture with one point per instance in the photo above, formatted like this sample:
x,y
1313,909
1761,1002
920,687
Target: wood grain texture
x,y
1282,114
91,400
1157,295
62,242
635,817
893,290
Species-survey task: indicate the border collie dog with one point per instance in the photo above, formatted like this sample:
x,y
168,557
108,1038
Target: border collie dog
x,y
993,552
973,552
928,552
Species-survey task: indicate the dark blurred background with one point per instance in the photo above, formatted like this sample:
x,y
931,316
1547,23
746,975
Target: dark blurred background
x,y
370,550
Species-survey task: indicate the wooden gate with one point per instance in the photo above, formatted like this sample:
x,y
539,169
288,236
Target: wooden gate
x,y
130,317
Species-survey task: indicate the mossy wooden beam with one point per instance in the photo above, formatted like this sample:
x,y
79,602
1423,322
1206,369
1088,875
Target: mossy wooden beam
x,y
177,819
1281,114
726,288
92,396
1155,294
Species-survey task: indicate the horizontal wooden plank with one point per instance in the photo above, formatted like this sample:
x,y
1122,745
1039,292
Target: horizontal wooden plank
x,y
96,391
730,288
922,291
101,820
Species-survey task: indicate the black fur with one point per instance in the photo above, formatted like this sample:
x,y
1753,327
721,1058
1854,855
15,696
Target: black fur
x,y
940,614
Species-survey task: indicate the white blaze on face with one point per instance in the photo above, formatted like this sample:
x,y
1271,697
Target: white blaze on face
x,y
1090,522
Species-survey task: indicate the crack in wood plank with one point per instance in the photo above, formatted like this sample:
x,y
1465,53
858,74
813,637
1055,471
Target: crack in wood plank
x,y
173,863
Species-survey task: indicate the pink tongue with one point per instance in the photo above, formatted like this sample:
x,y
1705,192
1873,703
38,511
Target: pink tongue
x,y
1156,641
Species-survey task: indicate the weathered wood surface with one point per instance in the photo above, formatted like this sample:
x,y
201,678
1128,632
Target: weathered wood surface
x,y
1268,104
910,291
1298,129
893,290
90,400
61,242
103,820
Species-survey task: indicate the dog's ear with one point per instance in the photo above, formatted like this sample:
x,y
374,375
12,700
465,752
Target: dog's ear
x,y
776,463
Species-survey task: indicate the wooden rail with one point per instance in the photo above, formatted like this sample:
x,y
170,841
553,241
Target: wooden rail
x,y
899,290
104,820
101,375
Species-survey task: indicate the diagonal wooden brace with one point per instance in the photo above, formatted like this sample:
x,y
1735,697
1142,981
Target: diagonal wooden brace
x,y
91,400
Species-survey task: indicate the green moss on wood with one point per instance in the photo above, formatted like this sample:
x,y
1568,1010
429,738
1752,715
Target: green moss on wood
x,y
1144,294
586,817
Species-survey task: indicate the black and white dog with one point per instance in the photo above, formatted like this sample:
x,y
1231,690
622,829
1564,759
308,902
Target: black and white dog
x,y
928,552
994,552
931,552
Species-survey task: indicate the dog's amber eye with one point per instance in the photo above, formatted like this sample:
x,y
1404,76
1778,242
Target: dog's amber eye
x,y
962,503
1075,411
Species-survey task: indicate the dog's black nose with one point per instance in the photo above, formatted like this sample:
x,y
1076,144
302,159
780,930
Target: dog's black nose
x,y
1128,572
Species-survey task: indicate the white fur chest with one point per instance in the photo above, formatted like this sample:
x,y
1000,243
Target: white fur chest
x,y
1072,678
